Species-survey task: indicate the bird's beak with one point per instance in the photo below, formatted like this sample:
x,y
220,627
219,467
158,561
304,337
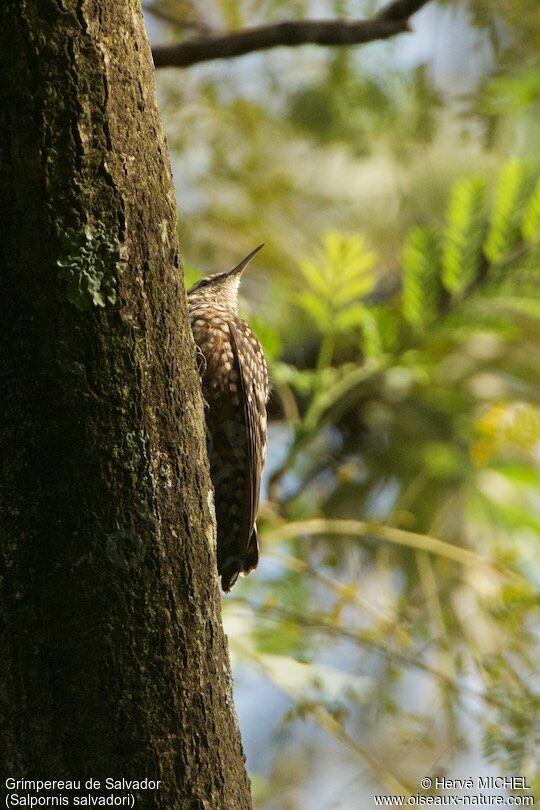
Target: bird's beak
x,y
236,271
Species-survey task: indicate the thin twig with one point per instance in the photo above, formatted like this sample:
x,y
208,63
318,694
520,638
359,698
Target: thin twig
x,y
391,20
400,537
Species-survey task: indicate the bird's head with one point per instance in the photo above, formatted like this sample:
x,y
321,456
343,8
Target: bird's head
x,y
222,288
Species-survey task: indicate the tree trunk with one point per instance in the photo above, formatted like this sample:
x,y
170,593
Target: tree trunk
x,y
113,658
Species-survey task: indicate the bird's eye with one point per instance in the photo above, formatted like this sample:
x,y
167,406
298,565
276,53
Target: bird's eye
x,y
202,283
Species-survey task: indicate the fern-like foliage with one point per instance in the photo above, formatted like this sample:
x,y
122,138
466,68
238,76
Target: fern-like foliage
x,y
530,226
512,194
478,272
476,245
421,277
342,274
465,231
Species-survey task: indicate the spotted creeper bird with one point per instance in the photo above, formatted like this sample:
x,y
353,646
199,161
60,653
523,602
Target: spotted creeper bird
x,y
235,388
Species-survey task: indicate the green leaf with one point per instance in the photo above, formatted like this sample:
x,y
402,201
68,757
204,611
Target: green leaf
x,y
360,318
370,338
387,325
465,228
513,190
342,275
304,381
421,266
316,277
350,318
530,226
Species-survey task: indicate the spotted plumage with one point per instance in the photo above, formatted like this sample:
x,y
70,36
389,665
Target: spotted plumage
x,y
235,388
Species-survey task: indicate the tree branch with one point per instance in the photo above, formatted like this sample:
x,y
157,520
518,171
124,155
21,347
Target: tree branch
x,y
391,20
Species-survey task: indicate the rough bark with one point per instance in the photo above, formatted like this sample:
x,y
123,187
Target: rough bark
x,y
113,659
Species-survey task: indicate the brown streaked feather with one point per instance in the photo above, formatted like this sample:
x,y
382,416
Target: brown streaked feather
x,y
253,393
236,422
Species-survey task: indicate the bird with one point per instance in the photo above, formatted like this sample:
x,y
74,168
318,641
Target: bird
x,y
234,377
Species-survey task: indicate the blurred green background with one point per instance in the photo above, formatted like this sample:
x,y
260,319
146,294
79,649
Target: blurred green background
x,y
391,630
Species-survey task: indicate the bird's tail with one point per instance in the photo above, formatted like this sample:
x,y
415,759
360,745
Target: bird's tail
x,y
232,566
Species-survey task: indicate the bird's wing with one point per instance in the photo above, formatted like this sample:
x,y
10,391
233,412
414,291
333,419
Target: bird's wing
x,y
253,393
